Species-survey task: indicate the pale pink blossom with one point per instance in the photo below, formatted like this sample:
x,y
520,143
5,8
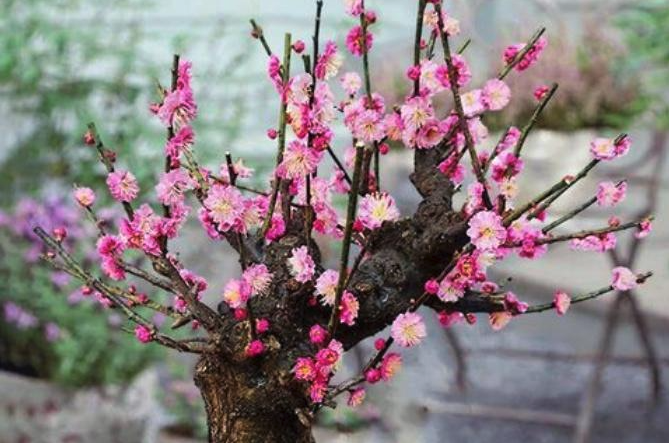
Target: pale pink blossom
x,y
236,293
377,208
623,279
84,196
472,102
610,194
562,301
499,320
351,83
645,226
496,94
301,264
298,160
486,230
349,308
529,58
408,329
225,206
257,277
448,319
356,397
326,286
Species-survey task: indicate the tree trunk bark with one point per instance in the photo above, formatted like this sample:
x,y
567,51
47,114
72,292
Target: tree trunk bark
x,y
245,403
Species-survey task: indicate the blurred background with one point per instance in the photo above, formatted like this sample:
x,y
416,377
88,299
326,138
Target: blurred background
x,y
67,372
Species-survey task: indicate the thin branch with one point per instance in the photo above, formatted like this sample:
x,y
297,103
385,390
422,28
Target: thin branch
x,y
464,127
346,241
535,116
641,278
285,76
258,33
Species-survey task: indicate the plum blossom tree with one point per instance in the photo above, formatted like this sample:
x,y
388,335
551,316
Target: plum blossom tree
x,y
269,352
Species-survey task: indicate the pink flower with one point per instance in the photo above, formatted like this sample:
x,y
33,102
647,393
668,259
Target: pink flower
x,y
529,58
499,320
623,279
473,103
258,278
369,126
84,196
317,334
541,92
610,194
351,83
486,230
349,308
462,72
301,264
262,325
173,185
431,286
236,293
645,226
448,319
373,375
510,139
450,290
329,62
390,365
298,161
181,141
143,334
304,369
415,112
561,300
255,348
377,208
429,134
353,7
179,106
122,186
513,305
408,329
496,94
506,165
224,206
356,397
607,149
326,286
317,391
356,43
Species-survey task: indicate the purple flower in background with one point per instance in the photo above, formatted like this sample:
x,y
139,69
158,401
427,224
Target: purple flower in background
x,y
60,278
51,332
12,312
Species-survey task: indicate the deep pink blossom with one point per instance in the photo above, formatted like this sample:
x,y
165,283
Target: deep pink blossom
x,y
143,334
358,43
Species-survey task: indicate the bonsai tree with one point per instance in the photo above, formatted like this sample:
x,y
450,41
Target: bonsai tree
x,y
268,353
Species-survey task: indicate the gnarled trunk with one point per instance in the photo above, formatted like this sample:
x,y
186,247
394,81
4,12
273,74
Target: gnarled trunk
x,y
247,404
